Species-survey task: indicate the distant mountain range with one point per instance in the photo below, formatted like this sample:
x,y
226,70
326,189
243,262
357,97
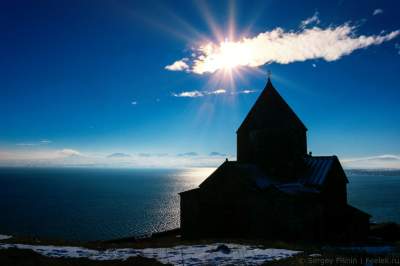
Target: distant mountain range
x,y
374,172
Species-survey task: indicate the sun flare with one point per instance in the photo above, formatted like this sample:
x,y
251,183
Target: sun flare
x,y
226,56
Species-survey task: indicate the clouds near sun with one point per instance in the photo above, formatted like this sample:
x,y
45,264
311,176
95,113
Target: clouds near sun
x,y
179,65
197,93
280,46
310,20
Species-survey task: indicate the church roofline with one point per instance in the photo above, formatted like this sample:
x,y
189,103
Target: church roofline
x,y
269,87
188,191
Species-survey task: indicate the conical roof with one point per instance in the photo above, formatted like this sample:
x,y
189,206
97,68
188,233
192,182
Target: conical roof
x,y
270,110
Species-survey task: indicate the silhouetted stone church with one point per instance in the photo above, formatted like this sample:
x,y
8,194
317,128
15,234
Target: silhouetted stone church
x,y
275,189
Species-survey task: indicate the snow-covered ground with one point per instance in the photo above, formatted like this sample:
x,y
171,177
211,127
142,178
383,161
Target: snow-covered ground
x,y
218,253
3,237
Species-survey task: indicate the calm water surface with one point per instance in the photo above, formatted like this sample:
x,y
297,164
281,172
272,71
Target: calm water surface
x,y
376,195
90,204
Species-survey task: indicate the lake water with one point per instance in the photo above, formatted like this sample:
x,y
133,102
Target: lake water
x,y
90,204
377,195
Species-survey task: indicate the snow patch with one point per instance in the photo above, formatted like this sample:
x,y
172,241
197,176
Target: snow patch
x,y
4,237
188,255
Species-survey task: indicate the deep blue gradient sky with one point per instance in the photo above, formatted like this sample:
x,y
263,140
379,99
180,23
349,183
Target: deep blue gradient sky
x,y
70,71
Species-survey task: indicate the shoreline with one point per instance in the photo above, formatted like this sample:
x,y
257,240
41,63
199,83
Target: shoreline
x,y
377,230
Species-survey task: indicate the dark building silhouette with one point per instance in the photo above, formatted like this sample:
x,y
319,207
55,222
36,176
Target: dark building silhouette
x,y
275,189
272,136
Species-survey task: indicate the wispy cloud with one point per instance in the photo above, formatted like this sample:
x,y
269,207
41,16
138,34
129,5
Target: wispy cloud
x,y
35,143
245,92
311,20
386,161
196,93
219,91
118,155
74,158
215,153
145,154
282,47
377,12
189,94
179,65
192,153
38,156
69,152
27,144
134,102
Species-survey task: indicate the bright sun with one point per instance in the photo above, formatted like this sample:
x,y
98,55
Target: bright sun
x,y
230,55
226,55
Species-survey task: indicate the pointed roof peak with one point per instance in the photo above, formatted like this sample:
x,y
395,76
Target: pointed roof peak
x,y
269,98
269,82
270,89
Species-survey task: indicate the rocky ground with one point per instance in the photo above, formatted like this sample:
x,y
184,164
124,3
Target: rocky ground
x,y
382,248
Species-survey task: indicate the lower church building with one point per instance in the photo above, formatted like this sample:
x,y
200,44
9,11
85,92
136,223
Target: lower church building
x,y
275,189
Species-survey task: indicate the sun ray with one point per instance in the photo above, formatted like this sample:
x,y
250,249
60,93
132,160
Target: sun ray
x,y
228,56
209,18
231,20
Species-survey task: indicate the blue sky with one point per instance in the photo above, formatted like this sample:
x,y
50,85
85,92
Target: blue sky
x,y
167,83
